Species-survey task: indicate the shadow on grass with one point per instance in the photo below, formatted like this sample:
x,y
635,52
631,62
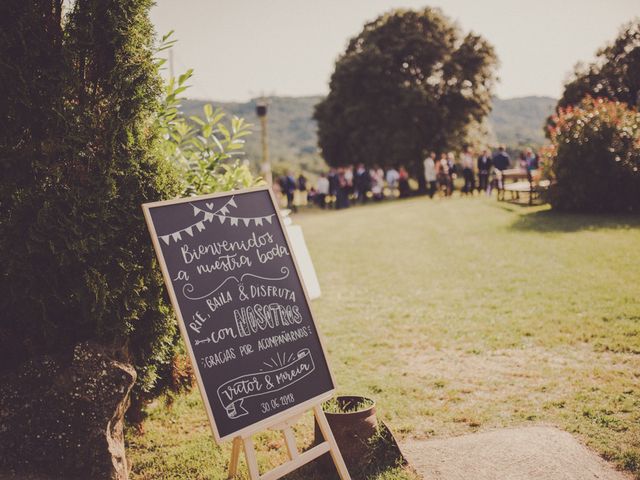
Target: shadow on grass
x,y
552,221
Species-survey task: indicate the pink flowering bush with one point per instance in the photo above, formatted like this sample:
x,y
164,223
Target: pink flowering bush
x,y
594,158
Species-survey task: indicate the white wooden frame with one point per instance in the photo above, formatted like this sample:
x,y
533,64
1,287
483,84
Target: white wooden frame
x,y
282,420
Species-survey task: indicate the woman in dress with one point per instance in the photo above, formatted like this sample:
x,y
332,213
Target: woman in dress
x,y
442,175
430,176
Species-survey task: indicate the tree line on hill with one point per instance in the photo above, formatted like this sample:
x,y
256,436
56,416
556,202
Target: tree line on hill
x,y
515,122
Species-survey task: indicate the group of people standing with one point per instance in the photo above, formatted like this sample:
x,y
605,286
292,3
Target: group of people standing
x,y
439,174
344,186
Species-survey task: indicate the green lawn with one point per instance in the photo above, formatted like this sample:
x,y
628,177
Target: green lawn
x,y
458,315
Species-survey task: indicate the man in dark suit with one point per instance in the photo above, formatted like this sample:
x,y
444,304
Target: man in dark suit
x,y
484,169
501,159
334,185
361,183
288,187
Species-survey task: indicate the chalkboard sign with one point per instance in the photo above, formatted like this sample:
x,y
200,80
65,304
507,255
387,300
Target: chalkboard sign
x,y
242,308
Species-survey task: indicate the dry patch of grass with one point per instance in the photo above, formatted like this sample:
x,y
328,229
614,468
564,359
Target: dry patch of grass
x,y
468,391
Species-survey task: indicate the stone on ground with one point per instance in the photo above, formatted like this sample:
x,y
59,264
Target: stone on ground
x,y
532,453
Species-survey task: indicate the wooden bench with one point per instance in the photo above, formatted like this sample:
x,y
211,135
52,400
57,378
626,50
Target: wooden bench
x,y
522,181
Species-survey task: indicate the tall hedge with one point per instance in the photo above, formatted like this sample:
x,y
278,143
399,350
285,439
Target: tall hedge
x,y
594,159
81,156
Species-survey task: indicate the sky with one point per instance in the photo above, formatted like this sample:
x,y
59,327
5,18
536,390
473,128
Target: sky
x,y
242,49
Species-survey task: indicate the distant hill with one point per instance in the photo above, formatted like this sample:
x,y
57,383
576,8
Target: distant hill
x,y
515,122
519,121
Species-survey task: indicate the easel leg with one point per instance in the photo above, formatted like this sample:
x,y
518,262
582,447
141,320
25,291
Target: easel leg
x,y
290,441
235,456
328,436
252,461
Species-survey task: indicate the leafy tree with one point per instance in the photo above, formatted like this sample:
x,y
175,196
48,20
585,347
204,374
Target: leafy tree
x,y
594,158
408,83
615,74
82,153
206,151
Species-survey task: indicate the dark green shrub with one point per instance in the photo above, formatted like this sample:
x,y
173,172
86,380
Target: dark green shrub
x,y
81,155
595,157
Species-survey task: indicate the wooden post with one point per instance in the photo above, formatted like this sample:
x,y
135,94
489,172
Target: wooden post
x,y
261,110
235,457
290,440
252,460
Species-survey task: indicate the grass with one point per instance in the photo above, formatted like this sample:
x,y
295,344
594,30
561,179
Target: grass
x,y
347,406
458,316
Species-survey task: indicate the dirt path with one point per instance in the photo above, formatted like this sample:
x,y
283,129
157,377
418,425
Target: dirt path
x,y
531,453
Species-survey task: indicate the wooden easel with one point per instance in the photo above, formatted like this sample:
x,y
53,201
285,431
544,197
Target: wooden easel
x,y
284,420
296,459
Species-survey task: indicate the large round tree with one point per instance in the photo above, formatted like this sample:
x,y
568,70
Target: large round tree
x,y
408,83
614,75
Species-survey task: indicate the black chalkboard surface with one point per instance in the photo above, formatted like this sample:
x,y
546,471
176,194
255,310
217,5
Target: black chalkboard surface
x,y
242,308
